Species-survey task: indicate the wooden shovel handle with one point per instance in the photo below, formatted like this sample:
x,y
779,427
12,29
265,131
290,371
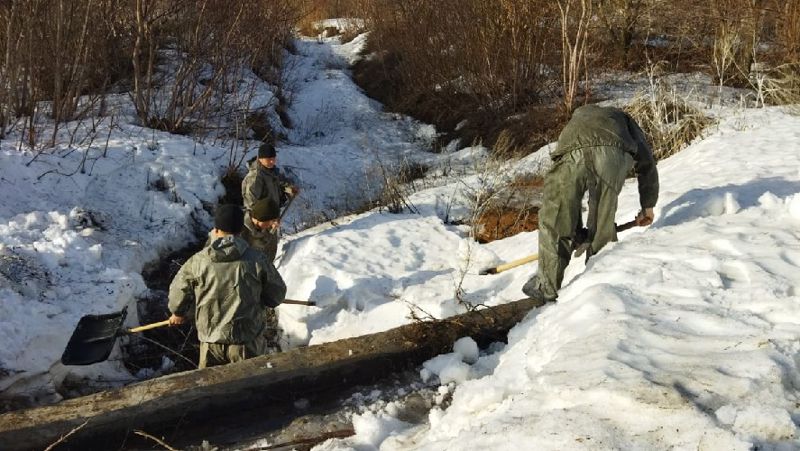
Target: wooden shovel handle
x,y
166,321
626,226
292,301
148,327
509,265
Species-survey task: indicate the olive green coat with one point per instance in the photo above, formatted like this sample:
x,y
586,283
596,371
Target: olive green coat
x,y
595,152
228,285
260,183
265,241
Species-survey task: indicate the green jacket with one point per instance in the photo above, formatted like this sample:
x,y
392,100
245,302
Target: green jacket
x,y
596,126
265,241
260,183
228,285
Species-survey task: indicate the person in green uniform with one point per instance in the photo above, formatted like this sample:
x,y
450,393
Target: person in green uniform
x,y
228,287
264,181
261,225
595,152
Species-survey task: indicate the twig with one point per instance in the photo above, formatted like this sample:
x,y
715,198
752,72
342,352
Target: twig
x,y
65,437
312,440
155,439
167,349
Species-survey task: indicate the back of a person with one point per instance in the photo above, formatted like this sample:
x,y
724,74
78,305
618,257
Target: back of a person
x,y
228,290
595,126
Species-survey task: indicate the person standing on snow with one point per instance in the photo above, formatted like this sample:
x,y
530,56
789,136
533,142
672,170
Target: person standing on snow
x,y
261,225
263,181
228,285
595,152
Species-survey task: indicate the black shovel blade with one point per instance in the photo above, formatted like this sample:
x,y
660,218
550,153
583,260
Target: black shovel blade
x,y
93,338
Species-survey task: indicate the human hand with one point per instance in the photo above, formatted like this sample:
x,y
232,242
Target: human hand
x,y
291,190
176,320
645,217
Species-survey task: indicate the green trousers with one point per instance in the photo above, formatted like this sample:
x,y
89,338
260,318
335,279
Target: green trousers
x,y
264,241
213,354
599,170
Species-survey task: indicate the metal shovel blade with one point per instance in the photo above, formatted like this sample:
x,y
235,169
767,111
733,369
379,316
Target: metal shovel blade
x,y
93,338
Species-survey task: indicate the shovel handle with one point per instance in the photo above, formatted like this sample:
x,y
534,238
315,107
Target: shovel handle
x,y
509,265
626,226
292,301
148,327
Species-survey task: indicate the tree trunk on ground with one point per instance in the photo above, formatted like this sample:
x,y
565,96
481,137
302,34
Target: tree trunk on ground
x,y
205,394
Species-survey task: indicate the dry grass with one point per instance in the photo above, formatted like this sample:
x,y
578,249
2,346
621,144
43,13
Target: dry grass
x,y
782,86
667,119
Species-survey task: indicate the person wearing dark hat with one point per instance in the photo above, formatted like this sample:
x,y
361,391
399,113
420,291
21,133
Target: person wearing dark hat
x,y
263,181
228,287
261,225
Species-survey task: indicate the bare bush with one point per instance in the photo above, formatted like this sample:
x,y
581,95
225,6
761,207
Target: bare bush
x,y
56,52
621,22
782,85
575,16
209,42
668,120
788,30
454,60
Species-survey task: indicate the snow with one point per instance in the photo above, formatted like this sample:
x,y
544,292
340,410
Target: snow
x,y
682,335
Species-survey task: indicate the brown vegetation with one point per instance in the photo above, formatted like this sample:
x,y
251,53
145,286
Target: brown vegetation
x,y
55,52
484,70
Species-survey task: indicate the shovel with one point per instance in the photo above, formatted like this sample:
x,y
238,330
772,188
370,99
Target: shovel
x,y
509,265
534,257
292,301
95,335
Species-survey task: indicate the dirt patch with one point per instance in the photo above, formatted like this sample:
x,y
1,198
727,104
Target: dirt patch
x,y
496,224
516,213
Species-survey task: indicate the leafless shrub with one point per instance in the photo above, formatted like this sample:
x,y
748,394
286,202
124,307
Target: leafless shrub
x,y
209,42
667,119
575,16
787,26
56,53
394,196
427,63
782,85
621,22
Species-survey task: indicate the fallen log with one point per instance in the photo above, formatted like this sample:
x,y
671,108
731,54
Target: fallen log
x,y
208,393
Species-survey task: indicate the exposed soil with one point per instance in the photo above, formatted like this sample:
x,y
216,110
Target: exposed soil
x,y
516,213
496,224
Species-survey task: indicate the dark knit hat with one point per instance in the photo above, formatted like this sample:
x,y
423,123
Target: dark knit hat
x,y
266,150
265,210
229,218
